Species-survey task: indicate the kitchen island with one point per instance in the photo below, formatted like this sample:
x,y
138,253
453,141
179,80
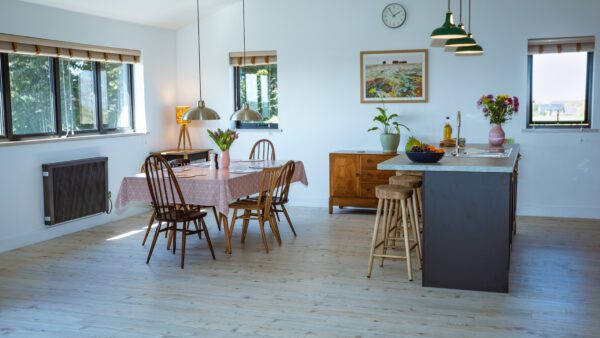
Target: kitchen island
x,y
469,204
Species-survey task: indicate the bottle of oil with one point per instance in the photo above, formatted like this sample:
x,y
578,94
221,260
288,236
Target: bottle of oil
x,y
447,129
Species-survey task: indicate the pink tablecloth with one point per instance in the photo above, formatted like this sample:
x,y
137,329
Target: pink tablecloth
x,y
208,187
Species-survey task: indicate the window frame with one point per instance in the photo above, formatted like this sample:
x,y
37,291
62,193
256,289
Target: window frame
x,y
587,123
56,95
237,105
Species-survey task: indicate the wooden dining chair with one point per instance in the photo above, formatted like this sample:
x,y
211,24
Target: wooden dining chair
x,y
263,150
170,207
260,208
282,191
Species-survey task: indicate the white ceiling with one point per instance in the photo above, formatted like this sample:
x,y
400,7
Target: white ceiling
x,y
169,14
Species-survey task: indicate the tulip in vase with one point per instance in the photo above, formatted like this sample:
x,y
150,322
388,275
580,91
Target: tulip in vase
x,y
224,139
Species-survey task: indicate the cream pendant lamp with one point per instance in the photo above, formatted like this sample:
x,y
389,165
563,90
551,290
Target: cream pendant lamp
x,y
469,49
448,30
245,114
200,112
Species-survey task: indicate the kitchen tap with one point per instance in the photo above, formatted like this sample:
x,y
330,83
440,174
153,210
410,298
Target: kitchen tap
x,y
459,124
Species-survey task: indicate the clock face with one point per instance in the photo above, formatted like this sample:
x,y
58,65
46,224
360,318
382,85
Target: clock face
x,y
394,15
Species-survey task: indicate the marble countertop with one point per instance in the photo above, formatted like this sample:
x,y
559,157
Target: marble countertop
x,y
467,163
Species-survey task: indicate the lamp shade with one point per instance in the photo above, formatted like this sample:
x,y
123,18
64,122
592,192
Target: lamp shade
x,y
448,30
246,114
462,42
179,112
201,113
469,50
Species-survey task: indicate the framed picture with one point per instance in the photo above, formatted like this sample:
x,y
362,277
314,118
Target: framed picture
x,y
396,76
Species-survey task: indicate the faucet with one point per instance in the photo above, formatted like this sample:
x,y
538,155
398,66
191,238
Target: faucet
x,y
459,124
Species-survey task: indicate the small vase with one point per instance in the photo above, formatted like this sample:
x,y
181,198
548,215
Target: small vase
x,y
225,160
390,143
497,136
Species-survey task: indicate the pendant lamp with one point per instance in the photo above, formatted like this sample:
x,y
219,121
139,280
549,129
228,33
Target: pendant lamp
x,y
448,30
201,111
245,114
472,49
460,42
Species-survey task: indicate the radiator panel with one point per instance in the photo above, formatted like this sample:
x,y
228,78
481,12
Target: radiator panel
x,y
75,189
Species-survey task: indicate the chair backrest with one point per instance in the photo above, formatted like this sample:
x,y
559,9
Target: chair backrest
x,y
282,189
164,188
263,150
269,178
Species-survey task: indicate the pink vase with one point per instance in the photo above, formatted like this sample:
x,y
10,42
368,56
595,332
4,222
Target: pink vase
x,y
225,160
497,136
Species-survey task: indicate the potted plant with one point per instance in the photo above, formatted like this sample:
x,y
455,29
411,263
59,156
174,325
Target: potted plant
x,y
390,129
498,109
224,139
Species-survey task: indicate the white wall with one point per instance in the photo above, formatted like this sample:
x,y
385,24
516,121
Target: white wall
x,y
318,45
21,198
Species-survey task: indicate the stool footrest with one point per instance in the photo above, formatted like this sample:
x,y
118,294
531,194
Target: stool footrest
x,y
389,256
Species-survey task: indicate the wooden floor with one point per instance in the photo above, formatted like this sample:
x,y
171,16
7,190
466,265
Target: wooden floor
x,y
96,283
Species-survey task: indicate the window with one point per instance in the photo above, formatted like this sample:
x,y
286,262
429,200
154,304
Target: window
x,y
560,82
256,85
31,95
50,89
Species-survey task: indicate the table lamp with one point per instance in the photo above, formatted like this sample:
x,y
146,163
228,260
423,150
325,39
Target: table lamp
x,y
184,133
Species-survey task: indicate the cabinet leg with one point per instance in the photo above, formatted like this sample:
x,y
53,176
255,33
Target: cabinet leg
x,y
330,206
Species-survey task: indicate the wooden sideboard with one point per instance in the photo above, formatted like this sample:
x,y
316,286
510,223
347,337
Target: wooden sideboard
x,y
353,177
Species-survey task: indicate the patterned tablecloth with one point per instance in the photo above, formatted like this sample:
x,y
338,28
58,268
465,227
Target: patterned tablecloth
x,y
201,185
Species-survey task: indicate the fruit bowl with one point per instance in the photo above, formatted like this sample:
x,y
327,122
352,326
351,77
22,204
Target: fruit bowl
x,y
424,157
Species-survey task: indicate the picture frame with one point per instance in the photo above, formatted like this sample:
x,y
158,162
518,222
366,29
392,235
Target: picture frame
x,y
394,76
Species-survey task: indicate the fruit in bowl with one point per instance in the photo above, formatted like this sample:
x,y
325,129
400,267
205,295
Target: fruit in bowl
x,y
425,153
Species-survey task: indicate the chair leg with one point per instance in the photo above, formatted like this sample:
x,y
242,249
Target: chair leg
x,y
152,218
198,230
406,243
374,240
205,229
214,210
233,220
262,231
183,238
245,225
414,225
174,241
154,241
289,220
169,236
274,227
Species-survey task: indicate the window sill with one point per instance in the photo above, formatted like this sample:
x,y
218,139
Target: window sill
x,y
560,130
250,130
7,143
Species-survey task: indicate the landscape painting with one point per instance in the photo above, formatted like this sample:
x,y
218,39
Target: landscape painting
x,y
394,76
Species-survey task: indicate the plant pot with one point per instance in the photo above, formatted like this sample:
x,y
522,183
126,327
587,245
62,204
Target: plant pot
x,y
497,136
390,143
225,160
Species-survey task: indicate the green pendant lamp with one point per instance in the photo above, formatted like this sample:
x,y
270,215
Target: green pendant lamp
x,y
460,42
201,111
469,49
448,30
245,114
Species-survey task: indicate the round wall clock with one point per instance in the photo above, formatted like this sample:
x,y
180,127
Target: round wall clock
x,y
393,15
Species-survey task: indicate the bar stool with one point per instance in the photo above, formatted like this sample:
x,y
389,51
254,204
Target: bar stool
x,y
419,174
392,205
414,183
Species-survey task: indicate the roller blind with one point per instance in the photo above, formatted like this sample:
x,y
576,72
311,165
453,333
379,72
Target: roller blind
x,y
563,45
253,58
34,46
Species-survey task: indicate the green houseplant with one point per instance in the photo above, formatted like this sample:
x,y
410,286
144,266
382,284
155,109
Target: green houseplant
x,y
390,129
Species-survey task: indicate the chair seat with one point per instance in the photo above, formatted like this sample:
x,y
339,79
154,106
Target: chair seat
x,y
412,182
392,192
180,215
246,204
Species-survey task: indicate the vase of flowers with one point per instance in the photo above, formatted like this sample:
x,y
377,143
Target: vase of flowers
x,y
498,109
390,129
224,139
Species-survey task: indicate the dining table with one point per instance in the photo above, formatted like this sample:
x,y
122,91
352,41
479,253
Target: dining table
x,y
205,186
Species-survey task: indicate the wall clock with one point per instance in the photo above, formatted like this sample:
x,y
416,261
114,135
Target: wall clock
x,y
393,15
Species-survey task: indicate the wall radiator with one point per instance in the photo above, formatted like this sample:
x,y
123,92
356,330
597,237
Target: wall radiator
x,y
75,189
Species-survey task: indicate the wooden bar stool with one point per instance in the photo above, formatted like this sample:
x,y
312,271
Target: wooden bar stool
x,y
419,174
414,183
392,205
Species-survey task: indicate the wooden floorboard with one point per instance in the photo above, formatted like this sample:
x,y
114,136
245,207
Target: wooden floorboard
x,y
95,283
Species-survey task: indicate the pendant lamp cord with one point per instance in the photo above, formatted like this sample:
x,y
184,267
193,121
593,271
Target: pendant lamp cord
x,y
199,56
461,12
244,34
449,6
469,16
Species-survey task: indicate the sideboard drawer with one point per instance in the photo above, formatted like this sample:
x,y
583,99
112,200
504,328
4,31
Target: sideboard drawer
x,y
367,190
370,162
376,176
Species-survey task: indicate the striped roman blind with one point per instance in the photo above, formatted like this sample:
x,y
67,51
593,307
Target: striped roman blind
x,y
253,58
35,46
562,45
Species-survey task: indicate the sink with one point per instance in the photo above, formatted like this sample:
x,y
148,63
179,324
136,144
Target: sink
x,y
484,153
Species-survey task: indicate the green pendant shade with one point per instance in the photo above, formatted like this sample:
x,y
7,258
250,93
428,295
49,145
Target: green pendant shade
x,y
448,30
469,50
462,42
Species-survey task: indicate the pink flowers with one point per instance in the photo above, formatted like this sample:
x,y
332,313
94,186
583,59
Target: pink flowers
x,y
498,109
